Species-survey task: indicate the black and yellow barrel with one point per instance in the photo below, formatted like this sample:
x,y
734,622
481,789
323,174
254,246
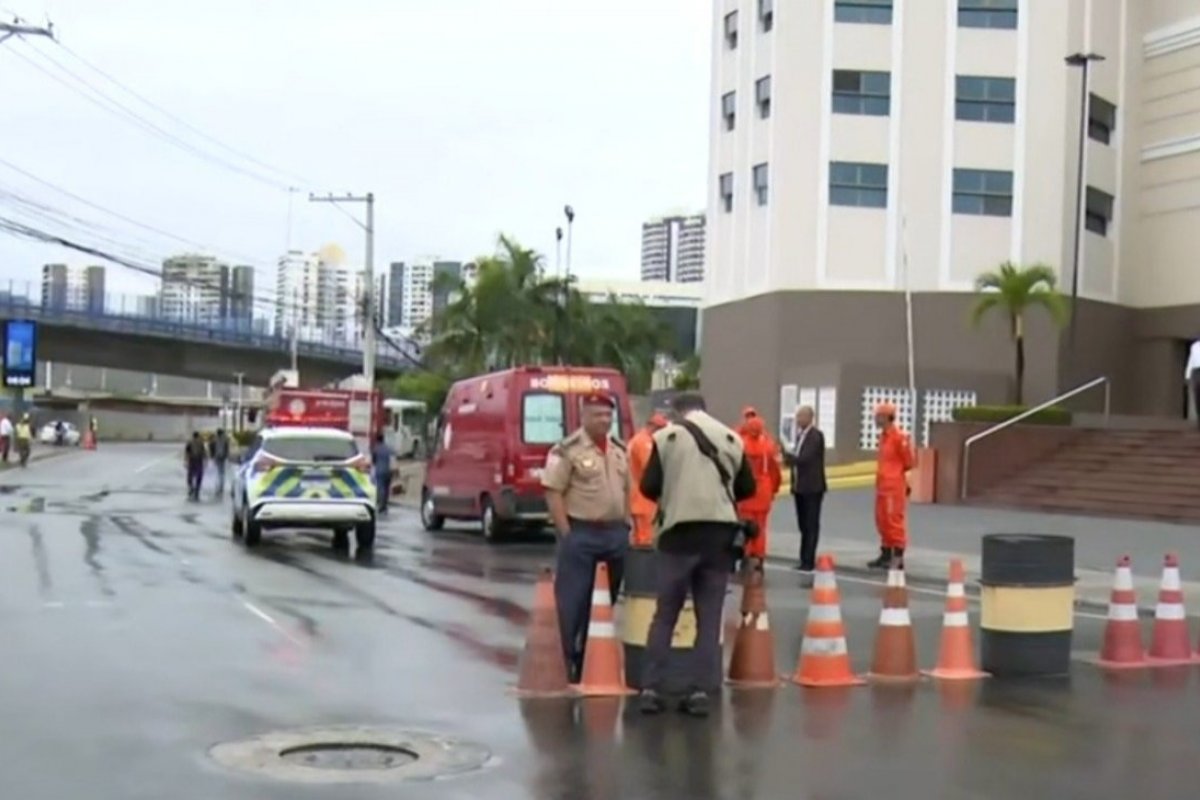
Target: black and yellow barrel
x,y
1027,599
638,591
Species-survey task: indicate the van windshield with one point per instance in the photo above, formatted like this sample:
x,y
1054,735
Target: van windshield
x,y
542,418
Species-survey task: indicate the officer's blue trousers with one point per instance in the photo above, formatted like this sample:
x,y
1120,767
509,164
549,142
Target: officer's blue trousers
x,y
588,544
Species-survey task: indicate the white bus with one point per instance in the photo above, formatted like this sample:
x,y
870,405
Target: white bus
x,y
405,425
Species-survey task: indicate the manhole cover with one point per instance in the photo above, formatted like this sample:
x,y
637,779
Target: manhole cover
x,y
349,755
352,754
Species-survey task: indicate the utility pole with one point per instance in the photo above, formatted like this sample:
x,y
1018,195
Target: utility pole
x,y
19,28
368,276
237,423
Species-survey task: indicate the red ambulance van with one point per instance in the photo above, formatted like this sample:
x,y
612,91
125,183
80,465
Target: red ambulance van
x,y
493,435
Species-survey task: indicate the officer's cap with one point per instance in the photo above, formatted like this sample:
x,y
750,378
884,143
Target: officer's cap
x,y
602,399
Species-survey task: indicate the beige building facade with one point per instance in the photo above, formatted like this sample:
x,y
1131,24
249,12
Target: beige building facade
x,y
862,148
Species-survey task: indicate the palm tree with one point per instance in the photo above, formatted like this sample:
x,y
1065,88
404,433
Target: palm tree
x,y
1012,290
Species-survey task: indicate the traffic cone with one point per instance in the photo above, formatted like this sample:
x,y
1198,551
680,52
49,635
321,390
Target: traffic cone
x,y
956,656
89,440
603,663
1122,647
824,658
753,662
1170,642
895,647
543,671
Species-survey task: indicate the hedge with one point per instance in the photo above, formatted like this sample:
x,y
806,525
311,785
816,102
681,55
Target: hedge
x,y
1054,415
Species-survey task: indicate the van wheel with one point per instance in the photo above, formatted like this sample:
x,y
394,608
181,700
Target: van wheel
x,y
493,529
430,519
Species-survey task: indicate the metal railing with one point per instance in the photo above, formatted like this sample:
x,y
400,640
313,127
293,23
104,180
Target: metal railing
x,y
1026,414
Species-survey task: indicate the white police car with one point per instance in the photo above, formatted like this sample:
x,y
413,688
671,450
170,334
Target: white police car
x,y
304,477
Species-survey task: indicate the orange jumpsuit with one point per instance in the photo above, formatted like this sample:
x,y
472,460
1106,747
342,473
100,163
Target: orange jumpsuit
x,y
763,457
641,508
896,458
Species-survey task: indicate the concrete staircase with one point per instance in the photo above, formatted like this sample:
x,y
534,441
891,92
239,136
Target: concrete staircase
x,y
1149,474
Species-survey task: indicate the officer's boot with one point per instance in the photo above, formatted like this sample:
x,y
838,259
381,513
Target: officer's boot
x,y
884,561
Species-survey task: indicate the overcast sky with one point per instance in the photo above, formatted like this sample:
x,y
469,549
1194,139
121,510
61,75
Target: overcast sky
x,y
465,118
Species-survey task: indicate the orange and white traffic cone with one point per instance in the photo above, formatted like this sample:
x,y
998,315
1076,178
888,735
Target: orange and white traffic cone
x,y
895,646
1170,642
956,657
824,657
753,662
89,440
543,670
603,661
1122,648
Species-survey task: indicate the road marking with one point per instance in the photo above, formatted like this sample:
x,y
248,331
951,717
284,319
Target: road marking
x,y
152,462
267,618
918,589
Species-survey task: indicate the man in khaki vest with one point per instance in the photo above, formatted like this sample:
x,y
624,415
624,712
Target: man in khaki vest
x,y
697,473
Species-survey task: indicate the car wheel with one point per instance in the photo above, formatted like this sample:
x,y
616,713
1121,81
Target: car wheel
x,y
493,529
251,530
236,525
341,539
430,519
364,536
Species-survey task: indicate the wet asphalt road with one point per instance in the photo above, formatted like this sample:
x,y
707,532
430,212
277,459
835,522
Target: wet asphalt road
x,y
137,635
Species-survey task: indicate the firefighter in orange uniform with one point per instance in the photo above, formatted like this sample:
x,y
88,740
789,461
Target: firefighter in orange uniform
x,y
896,458
748,413
763,456
641,508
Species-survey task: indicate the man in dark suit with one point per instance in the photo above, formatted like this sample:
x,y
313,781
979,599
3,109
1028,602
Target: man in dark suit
x,y
806,457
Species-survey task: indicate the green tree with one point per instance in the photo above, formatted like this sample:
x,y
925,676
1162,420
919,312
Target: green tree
x,y
428,387
1012,290
688,378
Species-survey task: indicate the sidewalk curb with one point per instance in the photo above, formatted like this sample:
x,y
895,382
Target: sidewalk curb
x,y
56,453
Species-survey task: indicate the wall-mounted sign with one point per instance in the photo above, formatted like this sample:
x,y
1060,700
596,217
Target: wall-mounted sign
x,y
20,352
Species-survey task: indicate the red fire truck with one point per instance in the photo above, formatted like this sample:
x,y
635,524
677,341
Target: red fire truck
x,y
348,406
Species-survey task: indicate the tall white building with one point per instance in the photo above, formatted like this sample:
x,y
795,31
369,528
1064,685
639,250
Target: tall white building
x,y
75,288
193,287
318,294
417,305
673,249
863,147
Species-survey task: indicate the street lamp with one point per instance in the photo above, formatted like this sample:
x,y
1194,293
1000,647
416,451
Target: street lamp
x,y
1083,61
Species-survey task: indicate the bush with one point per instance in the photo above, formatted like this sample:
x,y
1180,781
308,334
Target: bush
x,y
243,438
994,414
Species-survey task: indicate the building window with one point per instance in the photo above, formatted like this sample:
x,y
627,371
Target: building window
x,y
854,184
762,96
731,30
727,192
987,14
729,110
766,14
760,184
1102,119
857,92
983,192
1099,211
982,99
872,12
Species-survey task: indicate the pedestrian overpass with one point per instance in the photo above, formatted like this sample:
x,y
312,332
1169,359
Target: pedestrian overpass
x,y
213,352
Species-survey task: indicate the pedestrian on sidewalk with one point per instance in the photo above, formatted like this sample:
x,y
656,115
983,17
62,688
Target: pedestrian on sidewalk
x,y
194,453
587,494
642,508
24,437
763,456
218,450
896,459
6,437
381,463
697,474
806,459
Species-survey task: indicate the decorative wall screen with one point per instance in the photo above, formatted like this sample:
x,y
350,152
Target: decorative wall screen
x,y
822,399
938,406
872,396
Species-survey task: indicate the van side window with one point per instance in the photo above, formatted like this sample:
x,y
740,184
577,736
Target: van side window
x,y
542,418
439,433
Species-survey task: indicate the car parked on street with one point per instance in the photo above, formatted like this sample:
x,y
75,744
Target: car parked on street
x,y
49,433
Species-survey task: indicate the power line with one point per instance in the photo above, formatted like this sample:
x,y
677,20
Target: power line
x,y
178,120
118,109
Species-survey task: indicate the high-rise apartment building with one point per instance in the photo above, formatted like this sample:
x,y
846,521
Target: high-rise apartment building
x,y
391,298
673,249
317,293
862,148
205,290
73,289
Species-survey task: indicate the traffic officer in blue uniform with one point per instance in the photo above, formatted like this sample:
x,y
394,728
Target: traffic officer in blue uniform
x,y
587,493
